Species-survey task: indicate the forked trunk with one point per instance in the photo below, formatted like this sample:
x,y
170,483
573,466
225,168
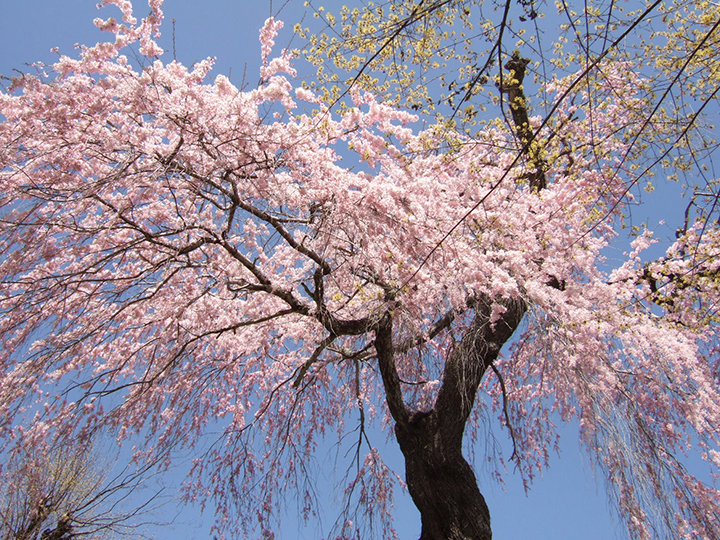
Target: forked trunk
x,y
442,484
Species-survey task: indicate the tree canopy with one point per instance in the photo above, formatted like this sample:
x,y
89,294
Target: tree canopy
x,y
182,260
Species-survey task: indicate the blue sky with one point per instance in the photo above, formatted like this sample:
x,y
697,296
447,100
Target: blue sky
x,y
566,503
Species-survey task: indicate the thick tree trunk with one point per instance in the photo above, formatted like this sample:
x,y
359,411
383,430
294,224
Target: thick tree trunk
x,y
441,482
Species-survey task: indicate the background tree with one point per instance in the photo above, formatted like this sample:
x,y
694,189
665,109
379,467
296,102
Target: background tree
x,y
184,261
445,58
68,491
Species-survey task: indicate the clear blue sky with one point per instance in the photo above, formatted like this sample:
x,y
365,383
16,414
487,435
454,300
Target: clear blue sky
x,y
567,503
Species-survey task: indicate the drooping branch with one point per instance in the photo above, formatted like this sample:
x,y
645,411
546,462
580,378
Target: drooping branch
x,y
313,358
506,412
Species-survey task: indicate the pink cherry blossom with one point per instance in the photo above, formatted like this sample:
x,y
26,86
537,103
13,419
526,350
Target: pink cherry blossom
x,y
180,267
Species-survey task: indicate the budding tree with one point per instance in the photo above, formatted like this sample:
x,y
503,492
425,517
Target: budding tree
x,y
184,261
70,490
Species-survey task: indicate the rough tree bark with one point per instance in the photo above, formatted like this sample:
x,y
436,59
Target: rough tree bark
x,y
512,86
440,480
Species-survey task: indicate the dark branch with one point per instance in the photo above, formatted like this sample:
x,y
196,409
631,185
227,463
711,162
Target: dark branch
x,y
513,87
506,412
313,358
441,324
388,369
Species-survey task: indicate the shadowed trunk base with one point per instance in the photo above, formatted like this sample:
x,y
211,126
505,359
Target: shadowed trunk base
x,y
441,483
